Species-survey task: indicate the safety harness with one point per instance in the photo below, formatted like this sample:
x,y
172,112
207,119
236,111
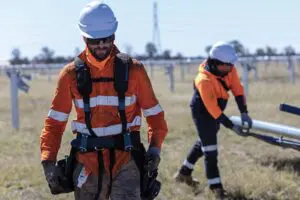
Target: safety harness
x,y
125,141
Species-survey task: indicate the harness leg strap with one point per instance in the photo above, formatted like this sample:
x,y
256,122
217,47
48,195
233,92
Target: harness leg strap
x,y
112,160
139,159
100,175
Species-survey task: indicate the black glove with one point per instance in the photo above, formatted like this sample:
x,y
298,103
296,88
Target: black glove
x,y
153,159
52,175
151,186
246,119
239,131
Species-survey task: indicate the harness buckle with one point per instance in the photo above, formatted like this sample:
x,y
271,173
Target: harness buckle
x,y
98,149
83,143
127,142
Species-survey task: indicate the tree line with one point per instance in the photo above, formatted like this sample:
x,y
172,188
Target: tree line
x,y
47,55
260,51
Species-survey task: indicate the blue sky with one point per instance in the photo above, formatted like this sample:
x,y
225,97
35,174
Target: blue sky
x,y
185,26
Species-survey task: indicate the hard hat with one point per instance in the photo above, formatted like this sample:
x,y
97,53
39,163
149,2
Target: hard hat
x,y
224,52
97,20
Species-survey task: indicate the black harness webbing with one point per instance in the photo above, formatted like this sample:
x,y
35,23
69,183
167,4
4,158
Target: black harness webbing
x,y
85,86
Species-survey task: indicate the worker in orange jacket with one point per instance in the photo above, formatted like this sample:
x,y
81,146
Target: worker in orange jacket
x,y
100,171
217,75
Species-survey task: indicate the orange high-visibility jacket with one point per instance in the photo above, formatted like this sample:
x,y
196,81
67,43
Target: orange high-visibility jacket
x,y
213,94
104,110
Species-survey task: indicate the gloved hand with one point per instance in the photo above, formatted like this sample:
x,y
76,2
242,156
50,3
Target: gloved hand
x,y
246,119
52,176
239,130
153,159
150,186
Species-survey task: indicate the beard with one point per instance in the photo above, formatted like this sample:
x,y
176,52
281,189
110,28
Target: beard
x,y
222,74
215,71
99,53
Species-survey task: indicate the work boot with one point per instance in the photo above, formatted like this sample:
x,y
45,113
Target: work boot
x,y
187,179
219,193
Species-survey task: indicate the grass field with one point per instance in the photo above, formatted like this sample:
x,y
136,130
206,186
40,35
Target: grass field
x,y
250,169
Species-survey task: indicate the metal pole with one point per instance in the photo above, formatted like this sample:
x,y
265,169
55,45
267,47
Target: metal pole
x,y
254,67
279,129
151,71
49,74
291,69
188,68
182,71
170,72
246,79
14,99
255,73
289,109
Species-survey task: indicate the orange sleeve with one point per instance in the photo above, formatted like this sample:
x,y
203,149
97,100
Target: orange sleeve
x,y
209,98
57,118
236,86
157,126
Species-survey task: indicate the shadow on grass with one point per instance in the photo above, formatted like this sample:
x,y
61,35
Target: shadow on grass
x,y
289,164
237,196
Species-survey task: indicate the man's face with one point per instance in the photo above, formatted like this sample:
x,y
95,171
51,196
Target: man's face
x,y
100,48
224,69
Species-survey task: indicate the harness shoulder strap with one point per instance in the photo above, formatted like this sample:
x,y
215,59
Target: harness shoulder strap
x,y
84,87
83,77
121,74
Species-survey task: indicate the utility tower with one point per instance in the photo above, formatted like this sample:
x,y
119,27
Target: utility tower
x,y
156,33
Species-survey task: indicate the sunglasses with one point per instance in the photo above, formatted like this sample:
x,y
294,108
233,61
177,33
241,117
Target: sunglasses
x,y
223,63
98,41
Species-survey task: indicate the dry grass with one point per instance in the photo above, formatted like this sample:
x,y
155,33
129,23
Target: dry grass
x,y
250,169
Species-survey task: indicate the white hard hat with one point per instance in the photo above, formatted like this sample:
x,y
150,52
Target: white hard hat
x,y
97,20
224,52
